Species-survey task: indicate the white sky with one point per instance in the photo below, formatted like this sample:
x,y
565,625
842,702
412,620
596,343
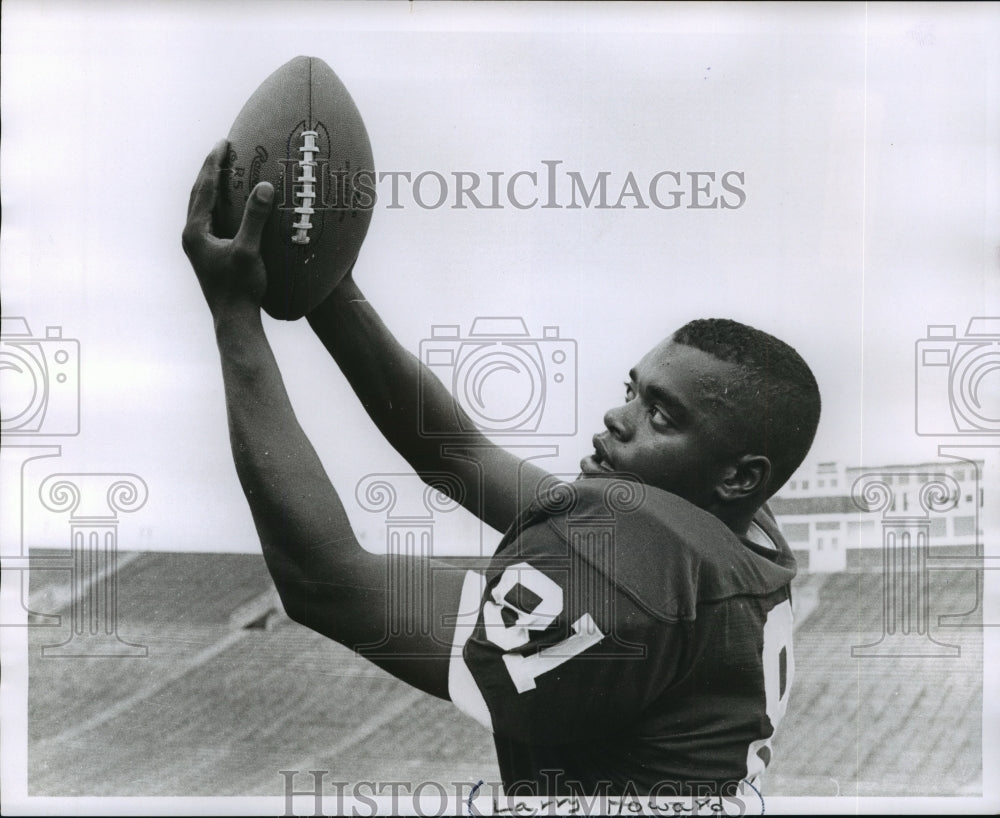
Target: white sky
x,y
868,139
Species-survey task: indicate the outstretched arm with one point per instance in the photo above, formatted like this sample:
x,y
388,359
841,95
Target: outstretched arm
x,y
404,399
325,579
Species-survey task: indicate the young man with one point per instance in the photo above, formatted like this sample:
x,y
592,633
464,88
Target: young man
x,y
632,633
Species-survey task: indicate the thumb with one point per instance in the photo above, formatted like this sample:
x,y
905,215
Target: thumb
x,y
255,217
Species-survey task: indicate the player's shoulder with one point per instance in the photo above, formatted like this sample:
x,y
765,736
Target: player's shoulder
x,y
665,553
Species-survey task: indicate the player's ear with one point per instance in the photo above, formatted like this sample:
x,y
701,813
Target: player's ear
x,y
749,476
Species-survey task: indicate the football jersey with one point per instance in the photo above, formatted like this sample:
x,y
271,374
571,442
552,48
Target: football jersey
x,y
623,639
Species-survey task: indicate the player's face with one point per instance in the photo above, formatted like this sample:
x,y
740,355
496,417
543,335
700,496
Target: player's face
x,y
675,429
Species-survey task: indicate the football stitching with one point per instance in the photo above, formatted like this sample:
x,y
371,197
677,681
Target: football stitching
x,y
306,184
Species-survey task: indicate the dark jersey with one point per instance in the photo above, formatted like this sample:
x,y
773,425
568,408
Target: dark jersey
x,y
627,640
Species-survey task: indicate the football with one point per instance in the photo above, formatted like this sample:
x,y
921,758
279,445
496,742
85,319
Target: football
x,y
302,132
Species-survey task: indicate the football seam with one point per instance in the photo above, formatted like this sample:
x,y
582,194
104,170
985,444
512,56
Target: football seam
x,y
309,121
298,271
309,125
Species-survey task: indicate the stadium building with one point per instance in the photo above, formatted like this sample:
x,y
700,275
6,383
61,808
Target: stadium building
x,y
836,518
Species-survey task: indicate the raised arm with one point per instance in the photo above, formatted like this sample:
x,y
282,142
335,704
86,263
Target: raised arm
x,y
404,399
326,580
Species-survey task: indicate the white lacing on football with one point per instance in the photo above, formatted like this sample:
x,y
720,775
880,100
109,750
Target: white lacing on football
x,y
306,188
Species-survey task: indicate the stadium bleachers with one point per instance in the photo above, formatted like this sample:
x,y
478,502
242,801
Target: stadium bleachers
x,y
229,695
218,708
881,725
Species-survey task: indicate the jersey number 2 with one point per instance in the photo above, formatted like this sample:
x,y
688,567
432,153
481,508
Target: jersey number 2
x,y
524,670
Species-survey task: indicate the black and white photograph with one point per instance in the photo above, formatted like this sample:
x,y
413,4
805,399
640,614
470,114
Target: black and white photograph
x,y
431,408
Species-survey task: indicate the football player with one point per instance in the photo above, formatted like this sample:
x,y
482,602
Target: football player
x,y
632,632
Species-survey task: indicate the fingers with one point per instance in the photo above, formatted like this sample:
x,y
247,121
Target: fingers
x,y
247,241
202,199
203,193
246,244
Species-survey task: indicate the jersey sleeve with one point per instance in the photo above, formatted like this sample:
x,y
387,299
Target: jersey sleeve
x,y
559,650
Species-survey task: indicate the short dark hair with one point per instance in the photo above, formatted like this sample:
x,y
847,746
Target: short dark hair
x,y
778,396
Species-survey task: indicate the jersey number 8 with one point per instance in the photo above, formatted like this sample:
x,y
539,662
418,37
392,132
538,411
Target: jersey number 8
x,y
779,667
524,670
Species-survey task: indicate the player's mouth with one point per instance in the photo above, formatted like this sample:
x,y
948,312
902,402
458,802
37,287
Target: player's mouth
x,y
598,462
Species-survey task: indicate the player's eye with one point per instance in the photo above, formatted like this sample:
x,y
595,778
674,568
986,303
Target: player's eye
x,y
629,392
661,419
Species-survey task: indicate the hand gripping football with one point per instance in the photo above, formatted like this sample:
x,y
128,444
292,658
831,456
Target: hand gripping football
x,y
301,131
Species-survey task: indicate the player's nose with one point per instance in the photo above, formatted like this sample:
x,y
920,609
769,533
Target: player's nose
x,y
616,421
